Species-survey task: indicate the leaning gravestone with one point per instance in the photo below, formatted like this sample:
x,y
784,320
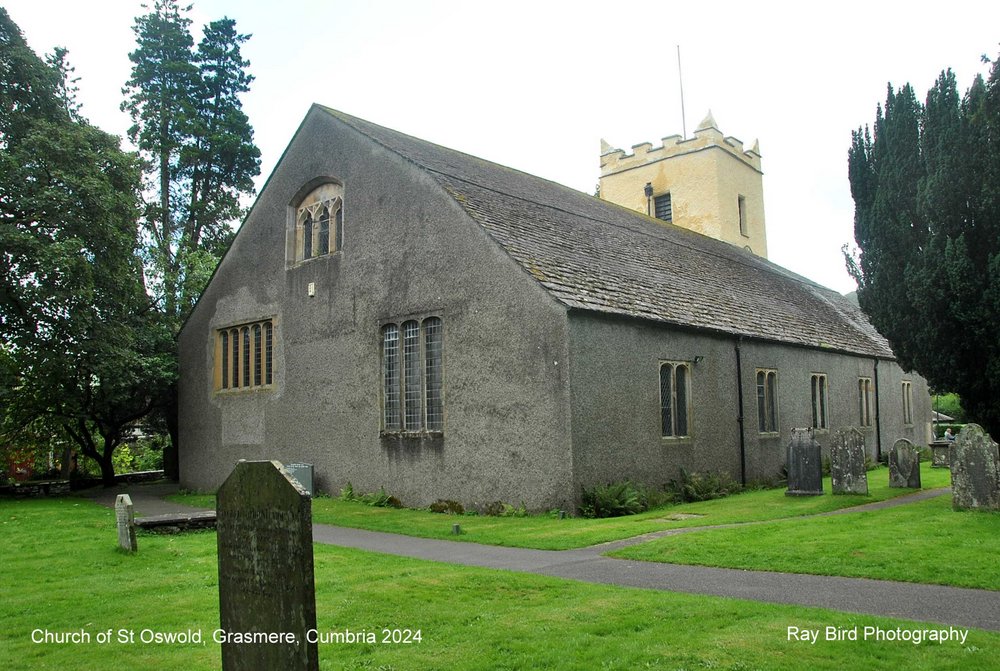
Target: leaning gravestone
x,y
904,465
267,597
975,470
125,519
847,462
805,465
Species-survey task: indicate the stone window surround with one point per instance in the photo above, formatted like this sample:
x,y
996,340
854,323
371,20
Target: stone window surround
x,y
865,401
244,357
819,386
767,401
426,341
907,391
680,423
309,200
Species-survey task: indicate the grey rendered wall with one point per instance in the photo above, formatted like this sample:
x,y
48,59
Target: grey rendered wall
x,y
796,366
615,401
616,407
409,251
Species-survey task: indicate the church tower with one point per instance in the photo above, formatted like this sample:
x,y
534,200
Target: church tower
x,y
707,184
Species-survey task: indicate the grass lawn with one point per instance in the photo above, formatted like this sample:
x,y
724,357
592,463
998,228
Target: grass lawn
x,y
62,573
549,533
923,542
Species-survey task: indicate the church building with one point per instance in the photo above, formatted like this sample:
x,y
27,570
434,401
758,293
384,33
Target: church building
x,y
402,315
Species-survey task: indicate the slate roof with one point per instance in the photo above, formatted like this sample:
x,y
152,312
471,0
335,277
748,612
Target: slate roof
x,y
593,255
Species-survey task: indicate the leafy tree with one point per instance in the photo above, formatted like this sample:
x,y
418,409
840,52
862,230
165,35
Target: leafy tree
x,y
926,188
81,352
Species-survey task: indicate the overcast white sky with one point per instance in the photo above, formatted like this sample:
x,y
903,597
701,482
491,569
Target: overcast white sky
x,y
535,85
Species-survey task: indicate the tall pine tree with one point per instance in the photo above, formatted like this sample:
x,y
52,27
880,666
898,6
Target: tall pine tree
x,y
926,188
198,145
200,157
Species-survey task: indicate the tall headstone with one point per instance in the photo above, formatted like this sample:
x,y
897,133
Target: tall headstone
x,y
805,465
975,470
847,462
125,520
904,465
266,582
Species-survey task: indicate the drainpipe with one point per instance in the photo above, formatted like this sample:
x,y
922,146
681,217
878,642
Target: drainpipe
x,y
878,421
648,191
739,417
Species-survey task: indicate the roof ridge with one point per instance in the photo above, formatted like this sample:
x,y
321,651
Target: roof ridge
x,y
733,254
592,254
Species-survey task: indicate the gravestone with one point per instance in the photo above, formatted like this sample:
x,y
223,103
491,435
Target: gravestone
x,y
125,519
975,470
904,465
267,594
805,465
847,463
303,473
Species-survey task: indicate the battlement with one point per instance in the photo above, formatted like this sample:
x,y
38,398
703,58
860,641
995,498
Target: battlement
x,y
708,183
707,135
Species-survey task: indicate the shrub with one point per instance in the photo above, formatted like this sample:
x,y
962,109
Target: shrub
x,y
448,507
692,487
613,500
501,509
379,499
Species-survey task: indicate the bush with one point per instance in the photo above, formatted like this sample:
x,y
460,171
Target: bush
x,y
692,487
379,499
448,507
949,404
614,500
501,509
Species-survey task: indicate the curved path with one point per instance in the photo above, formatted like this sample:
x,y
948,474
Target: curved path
x,y
929,603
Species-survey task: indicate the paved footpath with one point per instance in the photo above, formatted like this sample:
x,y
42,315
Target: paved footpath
x,y
928,603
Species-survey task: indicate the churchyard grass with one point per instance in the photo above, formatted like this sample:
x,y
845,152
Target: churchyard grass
x,y
923,542
63,573
546,532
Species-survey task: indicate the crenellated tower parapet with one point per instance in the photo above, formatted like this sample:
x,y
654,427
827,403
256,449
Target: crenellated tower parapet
x,y
708,183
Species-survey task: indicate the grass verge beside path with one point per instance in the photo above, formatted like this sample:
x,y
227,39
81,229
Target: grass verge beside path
x,y
62,573
548,533
924,542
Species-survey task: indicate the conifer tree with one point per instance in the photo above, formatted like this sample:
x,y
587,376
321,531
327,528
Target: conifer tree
x,y
926,187
189,125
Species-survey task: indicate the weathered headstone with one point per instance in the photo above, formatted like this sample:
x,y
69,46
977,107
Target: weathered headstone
x,y
805,465
303,473
847,462
940,453
975,470
125,519
904,465
267,598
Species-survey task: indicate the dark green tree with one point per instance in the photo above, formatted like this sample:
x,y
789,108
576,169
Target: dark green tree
x,y
200,158
197,143
83,350
926,188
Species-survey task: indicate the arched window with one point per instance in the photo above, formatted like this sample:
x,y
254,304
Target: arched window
x,y
321,210
675,380
767,401
324,231
307,236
